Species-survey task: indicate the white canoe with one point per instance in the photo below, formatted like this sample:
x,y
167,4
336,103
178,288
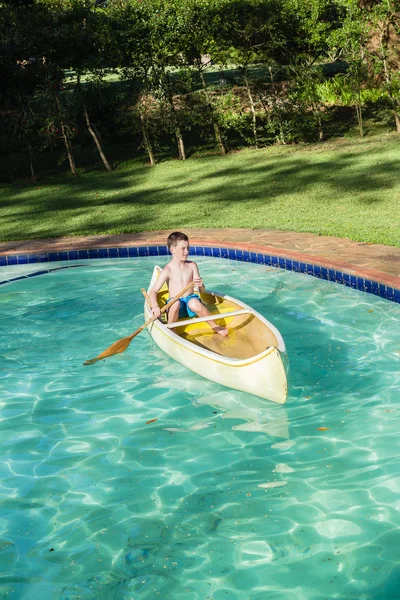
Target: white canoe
x,y
251,359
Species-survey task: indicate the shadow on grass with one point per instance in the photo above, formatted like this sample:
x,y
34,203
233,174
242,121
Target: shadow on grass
x,y
203,192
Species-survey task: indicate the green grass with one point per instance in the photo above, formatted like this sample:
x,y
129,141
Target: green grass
x,y
345,188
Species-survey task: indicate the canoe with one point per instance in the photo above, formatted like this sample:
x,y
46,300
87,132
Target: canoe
x,y
252,358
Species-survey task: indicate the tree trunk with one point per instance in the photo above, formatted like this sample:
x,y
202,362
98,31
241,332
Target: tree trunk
x,y
181,145
217,131
96,139
146,140
252,107
178,133
396,120
359,115
33,174
67,141
388,82
318,117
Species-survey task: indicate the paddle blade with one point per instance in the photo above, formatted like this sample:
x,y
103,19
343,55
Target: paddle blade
x,y
115,348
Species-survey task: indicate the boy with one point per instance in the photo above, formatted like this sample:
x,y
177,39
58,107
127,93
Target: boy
x,y
178,273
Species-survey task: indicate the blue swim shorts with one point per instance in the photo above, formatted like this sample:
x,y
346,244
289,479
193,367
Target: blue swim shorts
x,y
184,310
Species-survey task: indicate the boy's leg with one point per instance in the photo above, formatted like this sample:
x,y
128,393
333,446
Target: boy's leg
x,y
198,307
173,312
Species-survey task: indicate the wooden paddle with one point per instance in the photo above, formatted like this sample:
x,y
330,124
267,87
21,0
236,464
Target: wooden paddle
x,y
122,344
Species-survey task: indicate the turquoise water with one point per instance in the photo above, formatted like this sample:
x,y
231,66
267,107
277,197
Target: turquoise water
x,y
137,479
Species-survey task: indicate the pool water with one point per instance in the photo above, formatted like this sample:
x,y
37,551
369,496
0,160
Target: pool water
x,y
134,478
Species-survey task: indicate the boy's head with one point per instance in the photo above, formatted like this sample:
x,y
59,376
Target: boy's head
x,y
178,243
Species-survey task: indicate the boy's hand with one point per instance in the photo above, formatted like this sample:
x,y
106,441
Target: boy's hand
x,y
198,282
156,311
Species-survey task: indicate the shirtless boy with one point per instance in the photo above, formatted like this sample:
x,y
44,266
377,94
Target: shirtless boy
x,y
178,273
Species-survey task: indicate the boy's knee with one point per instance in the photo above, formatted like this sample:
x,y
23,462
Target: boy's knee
x,y
195,305
174,310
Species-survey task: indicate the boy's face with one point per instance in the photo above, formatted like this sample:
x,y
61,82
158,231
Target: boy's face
x,y
181,250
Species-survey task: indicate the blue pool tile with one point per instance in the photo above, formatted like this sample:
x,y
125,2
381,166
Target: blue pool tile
x,y
261,259
382,290
346,279
246,256
23,259
239,255
207,251
368,285
389,293
375,288
199,250
224,253
331,274
274,261
396,295
103,253
253,257
216,252
73,254
61,256
33,258
82,254
123,252
282,262
303,267
324,273
289,264
93,254
353,281
317,271
310,269
338,276
268,260
3,261
295,265
12,260
360,283
113,252
53,256
43,257
163,250
133,252
232,254
143,251
153,251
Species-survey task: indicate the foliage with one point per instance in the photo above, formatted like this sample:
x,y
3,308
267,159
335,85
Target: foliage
x,y
266,60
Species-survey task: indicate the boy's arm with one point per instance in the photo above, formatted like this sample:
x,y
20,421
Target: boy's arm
x,y
197,280
162,278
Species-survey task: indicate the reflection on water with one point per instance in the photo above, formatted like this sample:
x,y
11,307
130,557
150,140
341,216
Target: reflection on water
x,y
136,478
257,414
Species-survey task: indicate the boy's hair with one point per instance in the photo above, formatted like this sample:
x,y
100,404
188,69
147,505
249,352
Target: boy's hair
x,y
174,238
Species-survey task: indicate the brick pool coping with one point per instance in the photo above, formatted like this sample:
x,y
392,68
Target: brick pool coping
x,y
372,267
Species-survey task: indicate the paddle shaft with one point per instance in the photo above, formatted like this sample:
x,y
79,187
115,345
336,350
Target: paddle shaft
x,y
163,310
146,297
122,344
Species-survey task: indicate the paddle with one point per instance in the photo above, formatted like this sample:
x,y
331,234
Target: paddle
x,y
122,344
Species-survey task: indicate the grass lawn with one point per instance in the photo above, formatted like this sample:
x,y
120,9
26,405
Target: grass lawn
x,y
342,188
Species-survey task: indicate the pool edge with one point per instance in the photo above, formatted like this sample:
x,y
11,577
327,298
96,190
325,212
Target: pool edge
x,y
337,271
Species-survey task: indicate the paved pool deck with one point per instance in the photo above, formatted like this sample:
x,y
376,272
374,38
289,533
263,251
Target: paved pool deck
x,y
372,261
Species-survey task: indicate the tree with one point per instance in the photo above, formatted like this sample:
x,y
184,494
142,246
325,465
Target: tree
x,y
200,23
350,43
383,46
249,30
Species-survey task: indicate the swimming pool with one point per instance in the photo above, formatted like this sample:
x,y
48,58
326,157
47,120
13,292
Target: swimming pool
x,y
135,478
